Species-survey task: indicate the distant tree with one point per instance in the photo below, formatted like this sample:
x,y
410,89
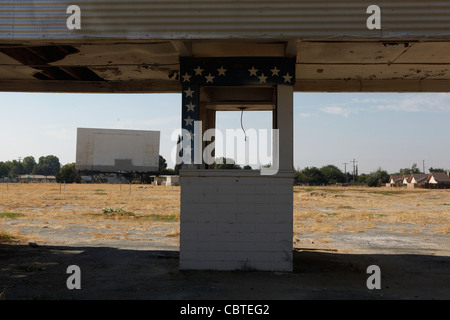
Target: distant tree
x,y
162,163
47,166
299,177
176,169
372,181
313,176
68,174
4,170
247,167
15,168
362,178
378,178
436,170
168,172
413,170
28,164
332,174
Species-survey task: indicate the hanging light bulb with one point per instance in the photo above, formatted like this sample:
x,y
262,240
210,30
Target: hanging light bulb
x,y
242,126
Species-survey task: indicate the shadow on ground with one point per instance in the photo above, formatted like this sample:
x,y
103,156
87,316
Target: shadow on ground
x,y
110,273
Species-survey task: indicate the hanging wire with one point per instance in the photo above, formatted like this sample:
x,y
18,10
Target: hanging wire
x,y
242,126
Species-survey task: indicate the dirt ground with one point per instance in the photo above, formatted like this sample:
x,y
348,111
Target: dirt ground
x,y
130,254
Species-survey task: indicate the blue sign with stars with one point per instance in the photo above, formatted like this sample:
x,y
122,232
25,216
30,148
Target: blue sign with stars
x,y
237,71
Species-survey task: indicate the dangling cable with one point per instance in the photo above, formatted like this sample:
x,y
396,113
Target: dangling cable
x,y
242,126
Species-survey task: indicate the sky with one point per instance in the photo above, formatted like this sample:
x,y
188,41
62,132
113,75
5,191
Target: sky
x,y
378,130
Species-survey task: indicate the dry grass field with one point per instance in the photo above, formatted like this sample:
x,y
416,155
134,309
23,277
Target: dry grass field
x,y
407,211
118,209
112,210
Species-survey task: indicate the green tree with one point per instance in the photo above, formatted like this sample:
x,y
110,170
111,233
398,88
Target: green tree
x,y
332,174
15,168
414,169
162,163
47,166
436,170
378,178
28,164
177,168
68,174
4,170
313,176
362,178
299,177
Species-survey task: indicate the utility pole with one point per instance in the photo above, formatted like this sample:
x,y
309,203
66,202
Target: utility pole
x,y
354,162
345,170
423,166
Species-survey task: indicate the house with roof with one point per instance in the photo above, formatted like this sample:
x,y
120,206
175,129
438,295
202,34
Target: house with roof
x,y
405,179
395,180
417,180
439,180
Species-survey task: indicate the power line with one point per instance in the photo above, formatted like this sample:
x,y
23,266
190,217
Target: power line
x,y
354,172
345,170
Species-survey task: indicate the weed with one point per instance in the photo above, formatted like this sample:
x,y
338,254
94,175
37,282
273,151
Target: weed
x,y
10,215
111,212
163,217
5,237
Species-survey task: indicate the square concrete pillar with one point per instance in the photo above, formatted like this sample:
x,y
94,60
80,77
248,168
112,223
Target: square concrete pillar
x,y
238,219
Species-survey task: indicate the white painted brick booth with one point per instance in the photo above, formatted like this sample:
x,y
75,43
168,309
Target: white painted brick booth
x,y
237,219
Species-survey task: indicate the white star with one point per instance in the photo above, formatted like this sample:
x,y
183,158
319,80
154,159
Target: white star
x,y
190,135
190,106
222,71
198,71
189,93
275,71
287,78
253,71
186,77
209,78
262,78
189,121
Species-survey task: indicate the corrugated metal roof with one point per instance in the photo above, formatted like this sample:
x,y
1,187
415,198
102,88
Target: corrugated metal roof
x,y
220,19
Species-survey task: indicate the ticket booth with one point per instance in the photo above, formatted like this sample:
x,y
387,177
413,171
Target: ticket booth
x,y
236,219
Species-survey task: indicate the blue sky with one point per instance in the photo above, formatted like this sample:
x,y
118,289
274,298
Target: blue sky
x,y
388,130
